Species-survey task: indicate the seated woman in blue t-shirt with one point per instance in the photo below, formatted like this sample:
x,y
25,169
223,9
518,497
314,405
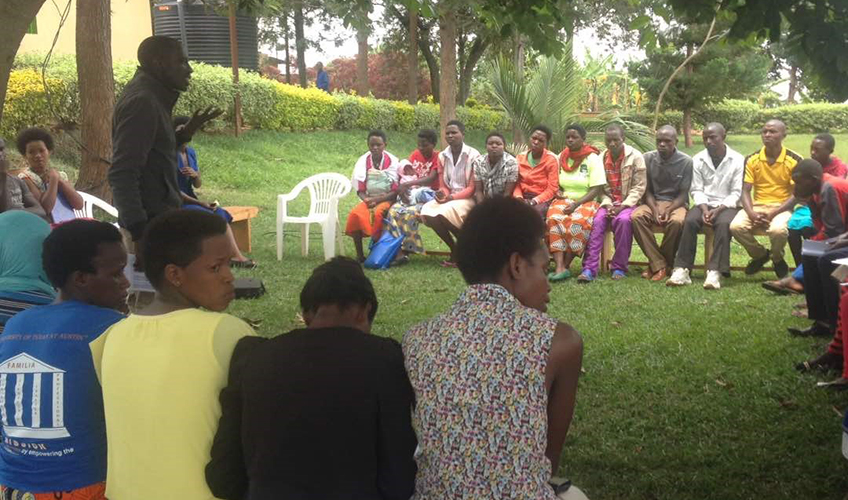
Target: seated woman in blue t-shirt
x,y
49,186
55,436
188,177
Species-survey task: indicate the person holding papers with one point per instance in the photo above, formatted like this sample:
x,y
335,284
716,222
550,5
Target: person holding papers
x,y
827,197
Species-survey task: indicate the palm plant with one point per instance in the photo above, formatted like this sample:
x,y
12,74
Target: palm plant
x,y
550,96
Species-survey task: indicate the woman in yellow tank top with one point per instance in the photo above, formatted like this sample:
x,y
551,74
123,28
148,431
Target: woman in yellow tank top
x,y
162,369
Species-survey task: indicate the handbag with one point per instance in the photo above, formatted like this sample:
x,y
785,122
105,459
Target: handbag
x,y
384,251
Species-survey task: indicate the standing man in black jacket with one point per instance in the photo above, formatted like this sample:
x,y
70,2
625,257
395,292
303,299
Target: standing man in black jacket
x,y
143,175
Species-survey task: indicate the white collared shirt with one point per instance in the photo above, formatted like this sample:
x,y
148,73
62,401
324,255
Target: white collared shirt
x,y
455,174
721,185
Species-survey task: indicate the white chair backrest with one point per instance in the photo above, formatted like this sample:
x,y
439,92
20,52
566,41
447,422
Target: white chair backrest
x,y
91,201
322,189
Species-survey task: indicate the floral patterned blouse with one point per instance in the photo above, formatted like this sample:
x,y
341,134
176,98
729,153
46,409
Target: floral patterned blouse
x,y
478,372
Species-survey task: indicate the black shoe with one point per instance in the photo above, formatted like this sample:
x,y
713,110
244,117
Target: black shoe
x,y
755,265
816,330
781,269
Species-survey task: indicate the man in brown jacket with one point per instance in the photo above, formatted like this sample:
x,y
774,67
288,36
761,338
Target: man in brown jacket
x,y
626,183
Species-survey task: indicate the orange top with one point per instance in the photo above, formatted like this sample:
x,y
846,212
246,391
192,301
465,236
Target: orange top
x,y
541,180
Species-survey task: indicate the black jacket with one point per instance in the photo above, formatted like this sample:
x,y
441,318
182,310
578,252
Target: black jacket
x,y
143,175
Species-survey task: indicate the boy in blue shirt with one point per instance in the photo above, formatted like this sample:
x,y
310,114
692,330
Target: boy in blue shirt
x,y
51,406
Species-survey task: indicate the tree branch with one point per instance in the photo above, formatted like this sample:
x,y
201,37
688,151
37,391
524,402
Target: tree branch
x,y
685,62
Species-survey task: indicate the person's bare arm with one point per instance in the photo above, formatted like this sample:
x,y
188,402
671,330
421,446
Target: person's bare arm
x,y
31,204
748,203
478,191
561,377
71,195
786,206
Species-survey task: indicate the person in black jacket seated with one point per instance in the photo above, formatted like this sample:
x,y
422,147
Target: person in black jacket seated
x,y
323,412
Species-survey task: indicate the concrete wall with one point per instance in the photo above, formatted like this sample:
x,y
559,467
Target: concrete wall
x,y
131,23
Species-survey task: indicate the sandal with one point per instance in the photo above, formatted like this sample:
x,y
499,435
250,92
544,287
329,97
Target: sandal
x,y
839,384
559,276
448,263
778,288
243,264
826,362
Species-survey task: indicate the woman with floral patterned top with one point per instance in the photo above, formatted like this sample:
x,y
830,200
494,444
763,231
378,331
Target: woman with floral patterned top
x,y
489,372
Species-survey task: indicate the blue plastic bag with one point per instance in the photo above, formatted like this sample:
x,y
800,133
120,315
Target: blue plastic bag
x,y
383,252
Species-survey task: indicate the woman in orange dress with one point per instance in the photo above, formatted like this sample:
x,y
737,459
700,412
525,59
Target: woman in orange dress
x,y
375,178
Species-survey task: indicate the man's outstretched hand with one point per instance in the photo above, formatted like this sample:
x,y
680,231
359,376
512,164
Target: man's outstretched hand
x,y
199,119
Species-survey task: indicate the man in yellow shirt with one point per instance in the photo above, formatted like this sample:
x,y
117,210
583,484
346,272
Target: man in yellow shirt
x,y
768,173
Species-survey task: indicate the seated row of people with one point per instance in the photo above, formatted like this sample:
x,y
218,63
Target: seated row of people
x,y
183,401
583,192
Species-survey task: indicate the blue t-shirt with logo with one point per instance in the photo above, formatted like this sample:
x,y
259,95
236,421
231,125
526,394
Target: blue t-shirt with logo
x,y
51,404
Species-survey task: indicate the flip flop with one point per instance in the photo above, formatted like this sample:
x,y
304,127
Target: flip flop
x,y
447,263
824,362
243,264
839,384
560,276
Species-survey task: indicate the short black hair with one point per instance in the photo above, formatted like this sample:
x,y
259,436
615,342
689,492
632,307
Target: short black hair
x,y
577,127
808,168
341,282
73,246
156,47
377,133
495,133
827,139
616,126
429,135
544,129
493,231
458,124
31,135
175,237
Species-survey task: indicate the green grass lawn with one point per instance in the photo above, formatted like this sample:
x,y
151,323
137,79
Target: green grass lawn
x,y
687,394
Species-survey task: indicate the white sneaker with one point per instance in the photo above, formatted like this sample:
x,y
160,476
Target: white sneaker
x,y
679,277
713,281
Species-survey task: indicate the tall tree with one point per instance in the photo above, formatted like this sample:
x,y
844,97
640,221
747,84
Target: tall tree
x,y
447,92
817,28
412,56
96,93
16,17
300,42
721,70
362,61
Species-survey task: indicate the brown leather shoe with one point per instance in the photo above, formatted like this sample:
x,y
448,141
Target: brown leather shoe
x,y
659,275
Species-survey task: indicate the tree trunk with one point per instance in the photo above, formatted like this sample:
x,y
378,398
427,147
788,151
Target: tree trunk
x,y
16,16
687,112
97,94
517,133
362,62
234,63
300,43
285,19
478,48
432,68
793,84
412,57
447,94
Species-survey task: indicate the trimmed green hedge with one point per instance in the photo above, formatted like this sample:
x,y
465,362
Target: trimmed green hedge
x,y
266,104
740,116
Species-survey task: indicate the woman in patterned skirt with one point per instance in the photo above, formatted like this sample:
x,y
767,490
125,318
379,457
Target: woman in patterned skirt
x,y
570,217
490,371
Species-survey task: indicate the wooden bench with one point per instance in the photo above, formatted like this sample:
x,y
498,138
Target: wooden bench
x,y
609,248
241,225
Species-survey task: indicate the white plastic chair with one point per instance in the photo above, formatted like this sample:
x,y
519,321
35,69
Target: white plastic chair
x,y
91,201
325,191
